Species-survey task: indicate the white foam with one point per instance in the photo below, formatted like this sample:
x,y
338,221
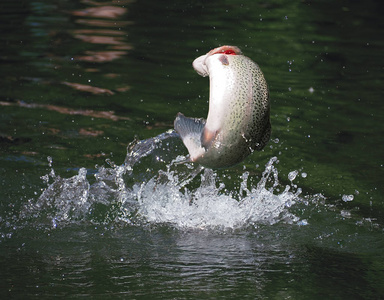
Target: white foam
x,y
208,206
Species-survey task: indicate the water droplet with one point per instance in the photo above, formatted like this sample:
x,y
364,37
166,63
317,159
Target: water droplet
x,y
49,158
347,198
302,222
345,214
292,175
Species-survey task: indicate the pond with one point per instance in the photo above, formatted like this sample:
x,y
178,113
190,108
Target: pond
x,y
92,203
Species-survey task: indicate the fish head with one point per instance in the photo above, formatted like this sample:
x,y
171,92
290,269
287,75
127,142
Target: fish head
x,y
200,64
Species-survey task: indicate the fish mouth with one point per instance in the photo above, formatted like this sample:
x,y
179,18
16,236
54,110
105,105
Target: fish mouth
x,y
200,67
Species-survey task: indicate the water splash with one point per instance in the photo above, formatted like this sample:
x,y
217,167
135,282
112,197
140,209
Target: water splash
x,y
209,207
150,188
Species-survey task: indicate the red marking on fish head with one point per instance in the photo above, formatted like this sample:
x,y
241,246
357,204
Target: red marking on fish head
x,y
227,50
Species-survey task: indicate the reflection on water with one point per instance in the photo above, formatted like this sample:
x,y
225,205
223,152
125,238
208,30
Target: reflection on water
x,y
66,110
103,25
88,88
102,11
99,57
136,262
64,49
101,260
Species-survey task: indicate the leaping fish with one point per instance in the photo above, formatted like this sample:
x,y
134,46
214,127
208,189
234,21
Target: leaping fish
x,y
238,118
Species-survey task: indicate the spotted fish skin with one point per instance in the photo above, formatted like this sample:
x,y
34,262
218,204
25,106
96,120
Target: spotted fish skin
x,y
238,119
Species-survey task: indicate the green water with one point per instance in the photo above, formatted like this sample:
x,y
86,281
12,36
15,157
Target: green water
x,y
82,79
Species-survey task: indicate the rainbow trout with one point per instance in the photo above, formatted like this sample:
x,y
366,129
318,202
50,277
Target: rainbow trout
x,y
238,118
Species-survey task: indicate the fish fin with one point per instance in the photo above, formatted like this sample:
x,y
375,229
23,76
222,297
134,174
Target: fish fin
x,y
207,137
187,126
190,131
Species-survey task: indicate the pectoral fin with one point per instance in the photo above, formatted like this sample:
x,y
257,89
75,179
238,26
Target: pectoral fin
x,y
190,131
188,126
207,137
